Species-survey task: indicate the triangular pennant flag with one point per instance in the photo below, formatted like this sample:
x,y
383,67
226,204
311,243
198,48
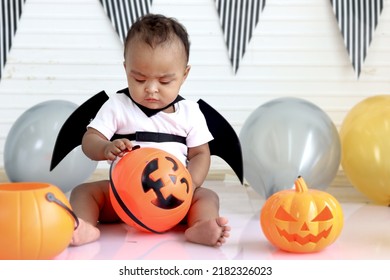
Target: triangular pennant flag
x,y
10,12
238,19
357,21
123,13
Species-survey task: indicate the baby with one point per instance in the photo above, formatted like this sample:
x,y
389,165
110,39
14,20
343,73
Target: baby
x,y
156,54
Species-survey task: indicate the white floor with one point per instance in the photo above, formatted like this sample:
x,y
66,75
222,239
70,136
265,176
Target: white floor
x,y
365,235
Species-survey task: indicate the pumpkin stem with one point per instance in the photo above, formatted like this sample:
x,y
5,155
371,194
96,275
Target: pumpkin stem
x,y
300,185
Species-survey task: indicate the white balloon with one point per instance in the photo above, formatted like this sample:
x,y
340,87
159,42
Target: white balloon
x,y
286,138
30,143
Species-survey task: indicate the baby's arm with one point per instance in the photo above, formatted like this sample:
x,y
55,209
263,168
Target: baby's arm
x,y
97,147
199,163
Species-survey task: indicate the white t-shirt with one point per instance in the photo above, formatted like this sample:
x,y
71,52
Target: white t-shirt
x,y
120,115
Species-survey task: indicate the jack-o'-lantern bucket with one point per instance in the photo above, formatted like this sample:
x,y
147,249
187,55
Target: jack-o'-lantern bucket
x,y
150,189
36,221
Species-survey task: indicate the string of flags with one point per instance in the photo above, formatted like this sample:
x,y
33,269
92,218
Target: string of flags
x,y
357,21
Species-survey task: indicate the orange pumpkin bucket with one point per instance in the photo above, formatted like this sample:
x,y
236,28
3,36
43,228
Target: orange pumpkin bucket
x,y
36,221
150,189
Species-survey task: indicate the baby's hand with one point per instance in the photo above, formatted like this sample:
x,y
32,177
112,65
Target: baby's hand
x,y
117,148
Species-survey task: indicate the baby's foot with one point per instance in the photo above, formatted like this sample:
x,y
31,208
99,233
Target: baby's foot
x,y
85,233
210,232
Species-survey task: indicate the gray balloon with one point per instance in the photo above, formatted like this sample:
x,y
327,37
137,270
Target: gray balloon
x,y
29,146
286,138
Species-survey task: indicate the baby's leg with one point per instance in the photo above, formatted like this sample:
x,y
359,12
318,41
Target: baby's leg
x,y
205,225
91,204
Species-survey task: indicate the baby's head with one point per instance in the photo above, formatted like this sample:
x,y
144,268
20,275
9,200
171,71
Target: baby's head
x,y
156,56
156,30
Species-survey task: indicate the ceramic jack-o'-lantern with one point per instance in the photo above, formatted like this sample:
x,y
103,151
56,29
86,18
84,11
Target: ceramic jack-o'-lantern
x,y
150,189
36,221
301,220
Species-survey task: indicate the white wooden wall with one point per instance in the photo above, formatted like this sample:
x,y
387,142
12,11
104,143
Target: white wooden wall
x,y
68,50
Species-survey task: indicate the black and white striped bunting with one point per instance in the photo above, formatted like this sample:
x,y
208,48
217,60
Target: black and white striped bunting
x,y
123,13
357,20
238,19
10,12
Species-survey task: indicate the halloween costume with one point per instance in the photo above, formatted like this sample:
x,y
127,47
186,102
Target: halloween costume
x,y
225,144
121,115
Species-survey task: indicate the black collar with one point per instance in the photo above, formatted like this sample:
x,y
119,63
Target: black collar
x,y
147,111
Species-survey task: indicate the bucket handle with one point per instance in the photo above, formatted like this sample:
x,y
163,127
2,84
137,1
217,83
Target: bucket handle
x,y
50,197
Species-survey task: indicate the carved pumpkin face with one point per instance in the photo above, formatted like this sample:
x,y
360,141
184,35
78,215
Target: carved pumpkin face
x,y
160,176
150,189
301,220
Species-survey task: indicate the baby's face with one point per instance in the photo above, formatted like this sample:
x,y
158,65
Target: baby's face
x,y
155,75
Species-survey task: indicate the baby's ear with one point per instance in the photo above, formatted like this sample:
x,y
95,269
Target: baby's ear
x,y
186,71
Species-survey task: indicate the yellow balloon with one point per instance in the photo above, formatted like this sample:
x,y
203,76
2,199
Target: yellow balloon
x,y
365,142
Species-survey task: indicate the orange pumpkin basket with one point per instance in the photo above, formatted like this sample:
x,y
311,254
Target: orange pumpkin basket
x,y
36,221
150,189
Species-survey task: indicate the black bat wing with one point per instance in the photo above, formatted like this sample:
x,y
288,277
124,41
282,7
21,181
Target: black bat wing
x,y
72,131
226,143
